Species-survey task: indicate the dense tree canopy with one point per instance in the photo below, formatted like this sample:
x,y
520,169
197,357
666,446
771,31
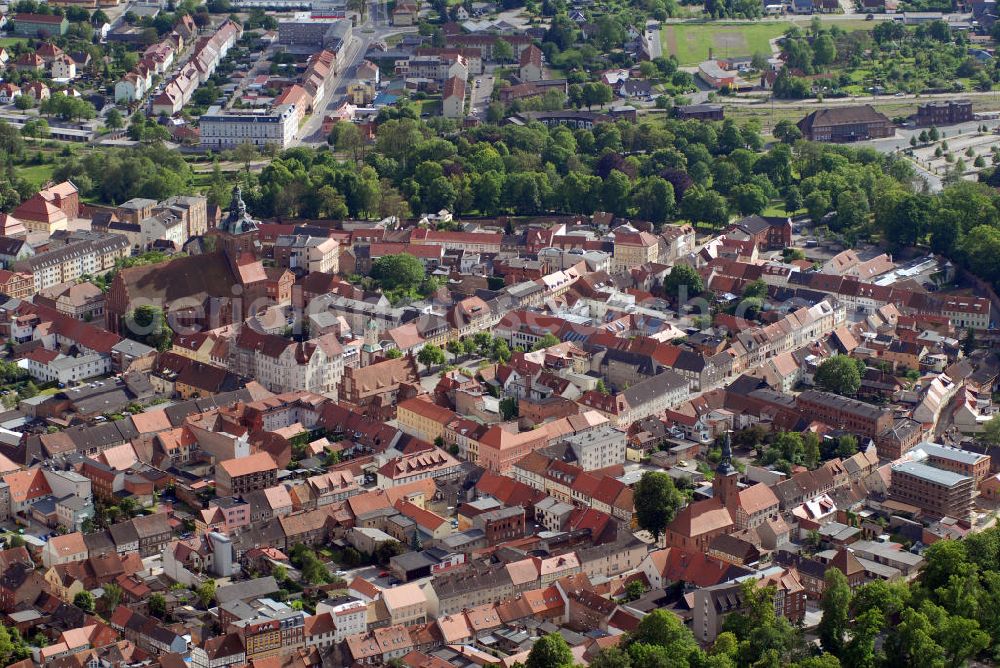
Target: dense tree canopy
x,y
656,501
550,651
840,374
113,177
395,271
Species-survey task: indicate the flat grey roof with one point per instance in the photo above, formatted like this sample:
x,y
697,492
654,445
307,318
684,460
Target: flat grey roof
x,y
954,454
931,474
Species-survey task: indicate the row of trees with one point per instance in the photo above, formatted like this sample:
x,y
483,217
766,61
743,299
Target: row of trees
x,y
701,172
67,108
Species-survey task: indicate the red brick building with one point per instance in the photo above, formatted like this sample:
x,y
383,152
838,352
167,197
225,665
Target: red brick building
x,y
501,525
851,415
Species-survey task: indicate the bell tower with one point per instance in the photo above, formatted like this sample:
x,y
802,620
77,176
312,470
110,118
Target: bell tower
x,y
725,485
238,231
372,345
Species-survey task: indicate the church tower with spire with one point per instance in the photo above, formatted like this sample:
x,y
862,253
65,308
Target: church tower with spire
x,y
725,486
237,233
372,346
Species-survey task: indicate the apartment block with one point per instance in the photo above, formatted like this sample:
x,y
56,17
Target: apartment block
x,y
935,491
227,129
83,253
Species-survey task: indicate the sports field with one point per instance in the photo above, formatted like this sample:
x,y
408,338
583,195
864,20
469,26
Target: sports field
x,y
690,42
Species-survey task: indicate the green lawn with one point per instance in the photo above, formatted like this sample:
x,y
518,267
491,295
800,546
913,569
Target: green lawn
x,y
11,41
431,107
36,175
690,42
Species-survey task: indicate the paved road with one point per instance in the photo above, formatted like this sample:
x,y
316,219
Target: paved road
x,y
482,91
311,131
655,45
347,66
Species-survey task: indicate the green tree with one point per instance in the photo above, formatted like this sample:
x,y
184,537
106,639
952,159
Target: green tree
x,y
705,206
85,601
756,289
634,590
824,50
793,200
762,634
500,351
112,596
350,558
615,192
509,408
393,354
969,344
12,646
979,249
683,281
387,550
546,341
398,271
653,199
961,639
888,598
431,355
597,94
611,657
550,651
206,592
113,119
991,431
503,52
37,128
859,652
911,641
11,143
786,131
157,606
245,153
749,199
840,374
313,570
663,628
847,446
148,324
818,204
836,605
656,502
810,450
